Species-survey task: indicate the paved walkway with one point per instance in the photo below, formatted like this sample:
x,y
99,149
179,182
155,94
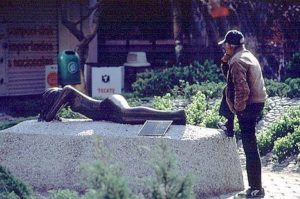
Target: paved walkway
x,y
277,186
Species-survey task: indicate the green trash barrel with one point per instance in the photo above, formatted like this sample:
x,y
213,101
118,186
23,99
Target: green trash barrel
x,y
68,68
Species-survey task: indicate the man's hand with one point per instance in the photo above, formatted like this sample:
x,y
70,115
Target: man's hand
x,y
225,58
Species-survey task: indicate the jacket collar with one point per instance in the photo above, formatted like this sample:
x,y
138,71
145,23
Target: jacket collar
x,y
237,52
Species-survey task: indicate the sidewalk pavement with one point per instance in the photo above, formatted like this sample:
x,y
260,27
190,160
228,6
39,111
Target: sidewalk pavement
x,y
277,186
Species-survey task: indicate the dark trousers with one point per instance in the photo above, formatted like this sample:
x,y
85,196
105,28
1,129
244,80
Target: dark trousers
x,y
247,121
226,112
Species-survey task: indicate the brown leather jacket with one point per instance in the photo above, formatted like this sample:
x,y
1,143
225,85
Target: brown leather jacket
x,y
245,83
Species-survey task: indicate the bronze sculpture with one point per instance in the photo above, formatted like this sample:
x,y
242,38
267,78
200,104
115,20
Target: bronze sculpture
x,y
114,108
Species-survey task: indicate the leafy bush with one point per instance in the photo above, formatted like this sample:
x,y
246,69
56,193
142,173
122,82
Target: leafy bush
x,y
159,82
275,88
11,186
163,103
289,88
167,184
209,89
287,146
212,117
103,178
10,195
294,87
66,112
105,182
63,194
196,110
284,125
134,101
237,130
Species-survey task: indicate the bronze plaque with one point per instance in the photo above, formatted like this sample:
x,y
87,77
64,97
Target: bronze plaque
x,y
155,127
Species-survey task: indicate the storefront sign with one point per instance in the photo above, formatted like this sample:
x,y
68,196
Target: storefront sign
x,y
30,45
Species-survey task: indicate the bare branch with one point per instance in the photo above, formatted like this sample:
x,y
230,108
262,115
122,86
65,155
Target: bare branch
x,y
71,26
90,11
89,37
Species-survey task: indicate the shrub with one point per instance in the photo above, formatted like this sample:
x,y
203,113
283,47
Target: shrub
x,y
158,82
294,87
134,101
104,179
10,195
196,110
288,145
66,112
105,182
163,103
167,184
237,130
275,88
286,124
210,89
11,186
63,194
212,117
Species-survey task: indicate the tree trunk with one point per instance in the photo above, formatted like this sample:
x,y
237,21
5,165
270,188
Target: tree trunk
x,y
177,29
75,27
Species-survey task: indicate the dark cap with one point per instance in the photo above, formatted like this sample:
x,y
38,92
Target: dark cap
x,y
233,37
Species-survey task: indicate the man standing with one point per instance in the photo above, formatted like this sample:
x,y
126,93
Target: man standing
x,y
245,96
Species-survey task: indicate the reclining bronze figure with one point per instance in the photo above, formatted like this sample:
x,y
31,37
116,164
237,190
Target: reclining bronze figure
x,y
114,108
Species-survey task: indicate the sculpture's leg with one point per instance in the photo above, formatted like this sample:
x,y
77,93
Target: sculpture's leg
x,y
137,115
121,112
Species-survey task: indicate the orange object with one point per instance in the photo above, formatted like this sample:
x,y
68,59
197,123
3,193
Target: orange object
x,y
52,79
220,11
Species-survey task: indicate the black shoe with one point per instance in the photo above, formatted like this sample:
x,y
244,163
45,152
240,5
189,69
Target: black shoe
x,y
228,133
252,193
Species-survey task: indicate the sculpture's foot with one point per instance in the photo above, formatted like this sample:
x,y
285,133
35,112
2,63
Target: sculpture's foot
x,y
49,98
179,117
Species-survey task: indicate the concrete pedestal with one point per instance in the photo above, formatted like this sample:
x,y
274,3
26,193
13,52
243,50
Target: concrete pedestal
x,y
49,155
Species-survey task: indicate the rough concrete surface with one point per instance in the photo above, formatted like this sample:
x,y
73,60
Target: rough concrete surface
x,y
49,155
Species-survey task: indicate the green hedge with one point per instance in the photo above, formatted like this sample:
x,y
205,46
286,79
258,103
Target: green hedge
x,y
211,90
288,145
159,82
282,127
289,88
294,87
275,88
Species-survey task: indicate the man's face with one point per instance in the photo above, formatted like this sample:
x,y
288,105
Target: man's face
x,y
228,48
